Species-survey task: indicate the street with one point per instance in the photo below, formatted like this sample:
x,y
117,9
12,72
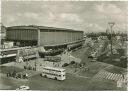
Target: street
x,y
84,80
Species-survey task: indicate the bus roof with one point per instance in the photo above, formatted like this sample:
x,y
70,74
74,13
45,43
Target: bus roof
x,y
54,68
10,49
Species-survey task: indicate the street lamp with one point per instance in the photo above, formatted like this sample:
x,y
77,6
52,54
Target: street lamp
x,y
111,24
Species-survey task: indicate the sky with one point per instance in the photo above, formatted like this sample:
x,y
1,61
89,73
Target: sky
x,y
78,15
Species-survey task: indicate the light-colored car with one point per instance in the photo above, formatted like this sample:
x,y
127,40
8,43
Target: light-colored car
x,y
23,87
94,59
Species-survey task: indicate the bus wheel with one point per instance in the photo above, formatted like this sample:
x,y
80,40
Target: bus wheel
x,y
55,78
45,76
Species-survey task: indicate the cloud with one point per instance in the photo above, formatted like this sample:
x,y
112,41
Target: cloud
x,y
120,27
32,15
28,15
112,12
93,27
87,16
11,19
8,19
70,17
108,8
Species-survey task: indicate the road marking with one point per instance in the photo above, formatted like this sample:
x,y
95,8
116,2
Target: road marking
x,y
115,76
105,74
112,77
121,78
118,76
108,75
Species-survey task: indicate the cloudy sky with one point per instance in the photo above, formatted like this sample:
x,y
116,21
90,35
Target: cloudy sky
x,y
82,15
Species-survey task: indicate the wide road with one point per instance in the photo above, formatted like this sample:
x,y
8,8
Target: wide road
x,y
40,83
84,81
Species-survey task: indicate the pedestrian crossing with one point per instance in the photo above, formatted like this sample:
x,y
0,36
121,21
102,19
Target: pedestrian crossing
x,y
109,76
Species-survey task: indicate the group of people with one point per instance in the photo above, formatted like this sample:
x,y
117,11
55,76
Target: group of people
x,y
17,75
30,68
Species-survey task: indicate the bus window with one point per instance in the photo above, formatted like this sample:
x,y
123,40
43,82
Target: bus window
x,y
52,72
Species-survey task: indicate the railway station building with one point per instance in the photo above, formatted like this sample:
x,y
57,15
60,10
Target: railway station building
x,y
49,37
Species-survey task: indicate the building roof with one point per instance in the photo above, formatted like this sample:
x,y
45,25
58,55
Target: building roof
x,y
22,27
34,27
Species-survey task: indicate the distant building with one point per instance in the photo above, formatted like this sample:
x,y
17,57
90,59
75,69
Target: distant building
x,y
2,33
49,37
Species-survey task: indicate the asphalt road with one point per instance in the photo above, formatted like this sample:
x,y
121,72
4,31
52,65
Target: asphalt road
x,y
72,82
40,83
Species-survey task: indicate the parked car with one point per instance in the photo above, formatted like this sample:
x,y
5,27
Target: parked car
x,y
23,87
72,62
90,56
65,64
94,59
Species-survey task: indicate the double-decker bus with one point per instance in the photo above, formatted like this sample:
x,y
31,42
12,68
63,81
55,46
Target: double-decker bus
x,y
54,73
8,55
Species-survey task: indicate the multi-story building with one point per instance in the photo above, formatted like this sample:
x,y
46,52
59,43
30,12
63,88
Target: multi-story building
x,y
50,37
2,33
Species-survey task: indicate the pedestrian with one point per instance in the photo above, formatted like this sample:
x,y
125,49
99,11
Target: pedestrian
x,y
32,68
7,74
26,75
20,76
16,76
87,69
75,70
23,76
123,76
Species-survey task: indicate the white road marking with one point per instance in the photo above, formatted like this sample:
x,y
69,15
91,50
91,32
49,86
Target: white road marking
x,y
109,76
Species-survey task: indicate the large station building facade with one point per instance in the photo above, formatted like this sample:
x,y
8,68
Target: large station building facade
x,y
44,36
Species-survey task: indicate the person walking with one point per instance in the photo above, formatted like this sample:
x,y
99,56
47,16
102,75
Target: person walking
x,y
26,76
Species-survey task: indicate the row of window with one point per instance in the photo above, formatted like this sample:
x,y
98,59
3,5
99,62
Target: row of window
x,y
8,52
53,70
52,74
22,34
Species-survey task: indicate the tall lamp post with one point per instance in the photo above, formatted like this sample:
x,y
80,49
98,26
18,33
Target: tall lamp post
x,y
111,24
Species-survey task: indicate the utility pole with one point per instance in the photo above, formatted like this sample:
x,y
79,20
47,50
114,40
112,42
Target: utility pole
x,y
0,35
37,56
111,24
26,58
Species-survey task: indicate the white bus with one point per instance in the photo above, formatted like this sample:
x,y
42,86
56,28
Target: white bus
x,y
54,73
